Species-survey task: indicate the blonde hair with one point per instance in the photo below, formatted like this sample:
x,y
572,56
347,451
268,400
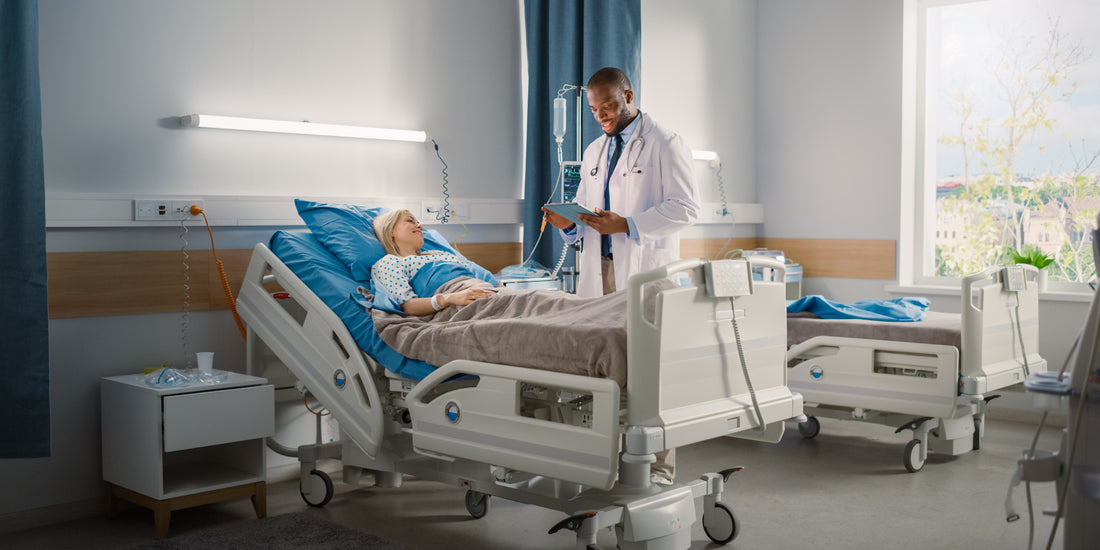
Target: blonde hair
x,y
383,229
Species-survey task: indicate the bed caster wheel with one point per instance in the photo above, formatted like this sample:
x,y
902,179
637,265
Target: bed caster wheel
x,y
477,504
912,456
810,428
721,526
320,489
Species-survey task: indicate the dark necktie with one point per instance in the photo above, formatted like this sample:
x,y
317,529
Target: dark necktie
x,y
617,148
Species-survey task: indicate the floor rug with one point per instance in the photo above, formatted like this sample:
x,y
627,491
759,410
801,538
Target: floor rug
x,y
286,532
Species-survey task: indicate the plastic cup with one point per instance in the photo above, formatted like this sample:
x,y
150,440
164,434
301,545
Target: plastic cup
x,y
206,360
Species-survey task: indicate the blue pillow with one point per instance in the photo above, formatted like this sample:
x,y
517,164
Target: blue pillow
x,y
347,231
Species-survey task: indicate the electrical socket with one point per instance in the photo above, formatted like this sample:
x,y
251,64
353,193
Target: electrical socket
x,y
181,209
432,211
164,210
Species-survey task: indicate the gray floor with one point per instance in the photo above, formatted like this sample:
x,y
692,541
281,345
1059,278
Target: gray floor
x,y
845,489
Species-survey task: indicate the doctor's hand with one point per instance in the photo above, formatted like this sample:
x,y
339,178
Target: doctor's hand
x,y
606,223
561,222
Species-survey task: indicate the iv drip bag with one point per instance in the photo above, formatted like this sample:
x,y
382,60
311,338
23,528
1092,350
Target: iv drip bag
x,y
559,119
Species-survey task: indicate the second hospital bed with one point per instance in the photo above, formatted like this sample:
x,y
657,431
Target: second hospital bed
x,y
576,444
933,377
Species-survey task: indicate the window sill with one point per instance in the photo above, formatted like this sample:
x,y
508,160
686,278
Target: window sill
x,y
941,290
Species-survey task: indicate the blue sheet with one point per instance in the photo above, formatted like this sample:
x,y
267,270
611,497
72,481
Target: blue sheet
x,y
331,280
899,309
427,281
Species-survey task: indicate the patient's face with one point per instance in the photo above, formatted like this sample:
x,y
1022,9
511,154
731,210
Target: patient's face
x,y
408,234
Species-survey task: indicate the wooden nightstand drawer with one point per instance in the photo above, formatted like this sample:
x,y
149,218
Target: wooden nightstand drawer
x,y
214,417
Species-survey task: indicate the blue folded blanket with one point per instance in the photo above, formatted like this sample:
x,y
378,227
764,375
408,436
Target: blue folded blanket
x,y
898,309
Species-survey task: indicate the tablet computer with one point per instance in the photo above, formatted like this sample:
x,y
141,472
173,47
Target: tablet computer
x,y
569,211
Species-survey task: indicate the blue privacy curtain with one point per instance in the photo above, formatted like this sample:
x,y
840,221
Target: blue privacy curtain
x,y
24,329
567,41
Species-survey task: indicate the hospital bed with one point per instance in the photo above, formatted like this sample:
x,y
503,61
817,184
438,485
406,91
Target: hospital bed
x,y
933,377
575,444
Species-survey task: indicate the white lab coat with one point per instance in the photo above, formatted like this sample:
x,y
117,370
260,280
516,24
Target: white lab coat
x,y
653,183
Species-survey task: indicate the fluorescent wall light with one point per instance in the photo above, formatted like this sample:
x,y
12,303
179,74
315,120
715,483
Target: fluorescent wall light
x,y
307,128
704,155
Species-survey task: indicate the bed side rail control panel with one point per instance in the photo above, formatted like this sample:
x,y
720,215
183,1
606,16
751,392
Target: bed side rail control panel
x,y
728,278
1013,279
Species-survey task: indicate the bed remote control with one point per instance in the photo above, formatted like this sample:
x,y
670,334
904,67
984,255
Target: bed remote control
x,y
728,278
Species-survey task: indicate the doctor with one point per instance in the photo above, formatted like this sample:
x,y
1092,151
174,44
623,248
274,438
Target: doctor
x,y
638,177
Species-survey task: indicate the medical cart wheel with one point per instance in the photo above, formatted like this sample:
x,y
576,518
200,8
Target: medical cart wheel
x,y
810,428
721,526
912,458
477,504
320,489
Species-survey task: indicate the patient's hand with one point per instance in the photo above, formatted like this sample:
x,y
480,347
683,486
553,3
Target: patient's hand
x,y
464,297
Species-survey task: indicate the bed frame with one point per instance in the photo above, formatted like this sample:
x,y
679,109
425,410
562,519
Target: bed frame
x,y
571,443
940,392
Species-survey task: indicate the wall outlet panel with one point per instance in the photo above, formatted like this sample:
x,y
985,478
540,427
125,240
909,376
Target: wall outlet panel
x,y
165,210
432,211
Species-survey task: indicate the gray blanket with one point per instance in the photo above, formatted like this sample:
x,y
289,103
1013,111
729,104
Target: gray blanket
x,y
540,329
936,328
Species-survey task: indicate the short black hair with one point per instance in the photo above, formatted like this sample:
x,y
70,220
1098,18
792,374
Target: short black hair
x,y
610,76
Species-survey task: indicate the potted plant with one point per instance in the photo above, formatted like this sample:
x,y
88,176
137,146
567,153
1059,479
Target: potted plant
x,y
1031,255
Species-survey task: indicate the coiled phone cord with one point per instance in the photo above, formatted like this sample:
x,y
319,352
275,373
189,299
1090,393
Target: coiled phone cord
x,y
185,315
745,368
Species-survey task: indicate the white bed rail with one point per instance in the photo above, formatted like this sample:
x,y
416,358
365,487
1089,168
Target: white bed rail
x,y
483,423
306,347
993,321
683,369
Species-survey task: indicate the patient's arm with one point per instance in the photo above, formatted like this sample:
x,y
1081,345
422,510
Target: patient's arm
x,y
423,306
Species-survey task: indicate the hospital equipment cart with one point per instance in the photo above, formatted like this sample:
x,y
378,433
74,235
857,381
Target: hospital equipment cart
x,y
172,448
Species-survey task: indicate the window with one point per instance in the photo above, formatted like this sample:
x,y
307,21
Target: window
x,y
1009,138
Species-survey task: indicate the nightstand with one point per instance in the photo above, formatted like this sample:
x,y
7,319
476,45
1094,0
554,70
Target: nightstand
x,y
172,448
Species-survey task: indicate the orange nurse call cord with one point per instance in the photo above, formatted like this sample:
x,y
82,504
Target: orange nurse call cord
x,y
195,211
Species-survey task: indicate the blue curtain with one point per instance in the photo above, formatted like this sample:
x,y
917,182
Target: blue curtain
x,y
567,41
24,329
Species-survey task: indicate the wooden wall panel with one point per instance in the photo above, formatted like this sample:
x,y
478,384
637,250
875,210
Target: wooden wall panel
x,y
89,284
842,258
492,256
711,248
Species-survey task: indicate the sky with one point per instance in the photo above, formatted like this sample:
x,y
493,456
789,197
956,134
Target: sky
x,y
972,40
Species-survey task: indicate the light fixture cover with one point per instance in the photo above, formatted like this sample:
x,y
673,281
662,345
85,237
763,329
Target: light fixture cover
x,y
307,128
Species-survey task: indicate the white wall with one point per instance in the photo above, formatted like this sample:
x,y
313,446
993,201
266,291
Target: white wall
x,y
828,136
113,71
698,78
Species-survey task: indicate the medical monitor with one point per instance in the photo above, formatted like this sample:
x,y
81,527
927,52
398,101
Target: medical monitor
x,y
571,180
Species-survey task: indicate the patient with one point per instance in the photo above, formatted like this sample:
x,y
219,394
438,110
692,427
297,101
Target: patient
x,y
434,306
403,236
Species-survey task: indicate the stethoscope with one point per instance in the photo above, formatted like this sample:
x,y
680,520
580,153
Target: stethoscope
x,y
634,166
